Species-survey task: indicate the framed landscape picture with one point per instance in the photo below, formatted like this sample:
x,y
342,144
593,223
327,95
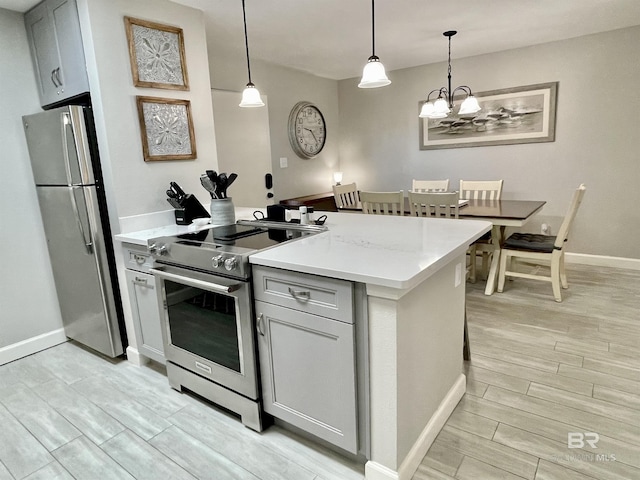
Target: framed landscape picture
x,y
166,128
513,115
157,55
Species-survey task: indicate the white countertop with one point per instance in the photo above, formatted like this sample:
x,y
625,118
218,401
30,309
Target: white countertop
x,y
387,251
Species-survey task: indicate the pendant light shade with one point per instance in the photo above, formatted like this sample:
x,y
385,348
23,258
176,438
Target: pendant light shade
x,y
250,95
443,105
373,74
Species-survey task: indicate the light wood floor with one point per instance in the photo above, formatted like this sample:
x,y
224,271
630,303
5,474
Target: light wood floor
x,y
539,370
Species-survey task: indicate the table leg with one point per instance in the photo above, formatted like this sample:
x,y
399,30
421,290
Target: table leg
x,y
497,234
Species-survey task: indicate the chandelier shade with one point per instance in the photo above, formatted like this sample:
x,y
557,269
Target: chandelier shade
x,y
442,106
250,95
373,74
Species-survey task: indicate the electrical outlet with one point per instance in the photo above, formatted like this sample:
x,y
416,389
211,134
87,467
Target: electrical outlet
x,y
283,162
545,229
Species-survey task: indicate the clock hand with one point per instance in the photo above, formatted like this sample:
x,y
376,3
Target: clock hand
x,y
312,134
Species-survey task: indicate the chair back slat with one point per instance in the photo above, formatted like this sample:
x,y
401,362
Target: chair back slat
x,y
563,232
430,185
345,195
434,204
382,203
481,190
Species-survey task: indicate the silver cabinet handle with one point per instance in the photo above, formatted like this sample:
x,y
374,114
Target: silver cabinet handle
x,y
259,324
302,295
53,78
57,75
219,287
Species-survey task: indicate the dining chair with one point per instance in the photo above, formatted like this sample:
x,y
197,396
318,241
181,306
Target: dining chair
x,y
434,204
540,247
430,185
345,195
485,246
382,203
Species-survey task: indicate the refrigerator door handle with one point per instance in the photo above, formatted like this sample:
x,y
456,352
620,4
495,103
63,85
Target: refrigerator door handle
x,y
87,243
66,124
73,120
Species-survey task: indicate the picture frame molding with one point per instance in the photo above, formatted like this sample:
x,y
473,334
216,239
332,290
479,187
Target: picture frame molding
x,y
148,157
549,116
130,22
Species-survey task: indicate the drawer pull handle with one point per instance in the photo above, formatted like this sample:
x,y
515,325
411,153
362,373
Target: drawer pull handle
x,y
259,324
302,295
140,281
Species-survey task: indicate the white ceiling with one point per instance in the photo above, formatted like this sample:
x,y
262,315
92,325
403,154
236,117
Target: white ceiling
x,y
332,38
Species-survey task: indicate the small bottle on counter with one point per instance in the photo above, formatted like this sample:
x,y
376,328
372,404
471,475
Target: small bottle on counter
x,y
304,215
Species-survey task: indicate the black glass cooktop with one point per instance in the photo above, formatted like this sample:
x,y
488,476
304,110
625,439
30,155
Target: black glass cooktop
x,y
240,236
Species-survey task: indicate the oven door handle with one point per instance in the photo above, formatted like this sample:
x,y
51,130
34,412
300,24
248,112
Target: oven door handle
x,y
192,282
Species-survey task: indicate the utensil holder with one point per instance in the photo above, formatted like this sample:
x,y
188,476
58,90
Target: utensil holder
x,y
222,212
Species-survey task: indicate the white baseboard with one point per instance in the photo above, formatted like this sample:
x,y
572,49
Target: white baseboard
x,y
134,357
31,345
376,471
602,261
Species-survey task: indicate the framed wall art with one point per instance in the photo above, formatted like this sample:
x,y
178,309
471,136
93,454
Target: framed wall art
x,y
157,55
166,128
514,115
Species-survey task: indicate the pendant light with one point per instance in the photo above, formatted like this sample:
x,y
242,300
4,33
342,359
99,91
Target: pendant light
x,y
373,74
250,95
443,105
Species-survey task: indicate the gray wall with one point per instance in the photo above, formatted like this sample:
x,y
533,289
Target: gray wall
x,y
28,302
285,87
597,135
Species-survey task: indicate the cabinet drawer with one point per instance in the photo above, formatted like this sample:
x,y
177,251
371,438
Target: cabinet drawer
x,y
137,258
323,296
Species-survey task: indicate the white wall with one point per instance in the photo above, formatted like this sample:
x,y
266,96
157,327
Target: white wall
x,y
28,302
138,187
285,87
596,135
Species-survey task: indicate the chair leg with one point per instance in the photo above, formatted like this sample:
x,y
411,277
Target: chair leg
x,y
472,264
563,274
504,259
485,265
466,348
555,277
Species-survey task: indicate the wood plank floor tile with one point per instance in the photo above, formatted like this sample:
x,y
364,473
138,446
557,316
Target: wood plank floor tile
x,y
85,461
630,373
625,399
53,471
472,469
87,417
20,452
29,371
553,471
442,459
472,423
4,473
587,421
202,461
516,358
558,452
476,388
599,378
425,472
232,441
484,375
587,404
608,356
43,421
531,374
142,460
487,451
626,350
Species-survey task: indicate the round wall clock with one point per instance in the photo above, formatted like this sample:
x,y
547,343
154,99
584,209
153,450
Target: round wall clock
x,y
307,130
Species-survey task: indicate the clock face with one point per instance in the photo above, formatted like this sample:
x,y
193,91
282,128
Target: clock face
x,y
307,130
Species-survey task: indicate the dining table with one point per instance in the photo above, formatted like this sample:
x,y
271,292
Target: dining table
x,y
501,214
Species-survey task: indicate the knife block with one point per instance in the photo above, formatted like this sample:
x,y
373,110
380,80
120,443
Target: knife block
x,y
191,209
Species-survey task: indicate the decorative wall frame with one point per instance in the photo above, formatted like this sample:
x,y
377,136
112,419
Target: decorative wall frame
x,y
514,115
166,127
157,55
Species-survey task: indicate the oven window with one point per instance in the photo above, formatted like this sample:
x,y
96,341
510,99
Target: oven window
x,y
204,323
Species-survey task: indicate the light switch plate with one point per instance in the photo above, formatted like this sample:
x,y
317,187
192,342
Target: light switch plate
x,y
283,162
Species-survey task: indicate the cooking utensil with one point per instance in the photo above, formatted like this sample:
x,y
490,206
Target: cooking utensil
x,y
222,185
174,203
172,194
208,185
232,178
178,190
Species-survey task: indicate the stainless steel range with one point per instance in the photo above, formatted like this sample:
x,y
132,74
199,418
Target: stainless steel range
x,y
204,289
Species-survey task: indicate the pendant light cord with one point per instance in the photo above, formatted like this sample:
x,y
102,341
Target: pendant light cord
x,y
246,39
373,28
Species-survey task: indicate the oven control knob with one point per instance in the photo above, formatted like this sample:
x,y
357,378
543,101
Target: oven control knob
x,y
152,248
230,263
163,249
217,262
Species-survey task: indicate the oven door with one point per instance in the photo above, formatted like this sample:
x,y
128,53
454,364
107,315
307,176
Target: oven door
x,y
207,326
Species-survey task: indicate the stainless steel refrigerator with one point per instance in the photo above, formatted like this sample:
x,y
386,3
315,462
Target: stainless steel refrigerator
x,y
68,179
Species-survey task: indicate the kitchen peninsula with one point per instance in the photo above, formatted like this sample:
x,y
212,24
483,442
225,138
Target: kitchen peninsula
x,y
412,275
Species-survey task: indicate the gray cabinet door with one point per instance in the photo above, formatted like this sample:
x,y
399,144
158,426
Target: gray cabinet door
x,y
53,29
146,314
308,374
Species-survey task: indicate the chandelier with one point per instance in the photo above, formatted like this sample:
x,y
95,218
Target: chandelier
x,y
443,105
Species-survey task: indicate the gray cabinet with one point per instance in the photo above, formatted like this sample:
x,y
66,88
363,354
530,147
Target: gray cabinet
x,y
306,342
53,30
144,303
